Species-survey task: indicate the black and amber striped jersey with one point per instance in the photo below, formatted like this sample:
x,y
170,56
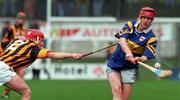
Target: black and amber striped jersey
x,y
11,33
22,53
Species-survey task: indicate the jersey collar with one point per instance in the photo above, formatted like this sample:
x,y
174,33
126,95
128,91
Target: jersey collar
x,y
145,31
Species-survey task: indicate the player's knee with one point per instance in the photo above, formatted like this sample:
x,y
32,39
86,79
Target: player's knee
x,y
26,92
116,90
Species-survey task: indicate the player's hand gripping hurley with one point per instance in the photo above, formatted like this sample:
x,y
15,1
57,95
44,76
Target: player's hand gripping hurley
x,y
160,73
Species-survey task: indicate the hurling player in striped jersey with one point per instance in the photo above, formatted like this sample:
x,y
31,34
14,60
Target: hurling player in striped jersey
x,y
21,53
137,42
10,33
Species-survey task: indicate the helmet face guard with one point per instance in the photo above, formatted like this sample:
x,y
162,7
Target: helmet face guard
x,y
147,11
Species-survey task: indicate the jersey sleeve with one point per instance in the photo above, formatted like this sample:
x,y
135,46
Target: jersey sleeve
x,y
126,30
150,48
42,53
39,53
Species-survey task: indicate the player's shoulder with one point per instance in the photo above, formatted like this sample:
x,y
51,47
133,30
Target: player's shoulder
x,y
151,33
24,41
129,24
12,26
152,37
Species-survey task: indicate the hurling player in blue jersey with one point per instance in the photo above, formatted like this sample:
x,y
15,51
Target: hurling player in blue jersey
x,y
137,42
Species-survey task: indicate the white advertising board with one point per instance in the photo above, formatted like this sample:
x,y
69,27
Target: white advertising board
x,y
102,32
85,31
72,71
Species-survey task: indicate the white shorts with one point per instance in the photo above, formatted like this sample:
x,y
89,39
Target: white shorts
x,y
128,76
6,73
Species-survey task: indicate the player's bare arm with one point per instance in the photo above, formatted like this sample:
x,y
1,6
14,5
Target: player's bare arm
x,y
62,55
125,48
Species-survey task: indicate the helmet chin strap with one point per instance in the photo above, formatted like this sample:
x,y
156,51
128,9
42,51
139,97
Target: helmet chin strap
x,y
37,40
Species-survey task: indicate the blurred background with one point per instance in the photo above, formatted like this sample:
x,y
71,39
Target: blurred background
x,y
85,26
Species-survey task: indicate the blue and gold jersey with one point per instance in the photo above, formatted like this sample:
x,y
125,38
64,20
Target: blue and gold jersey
x,y
140,43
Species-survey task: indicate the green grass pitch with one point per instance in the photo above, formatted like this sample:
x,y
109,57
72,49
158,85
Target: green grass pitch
x,y
154,89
